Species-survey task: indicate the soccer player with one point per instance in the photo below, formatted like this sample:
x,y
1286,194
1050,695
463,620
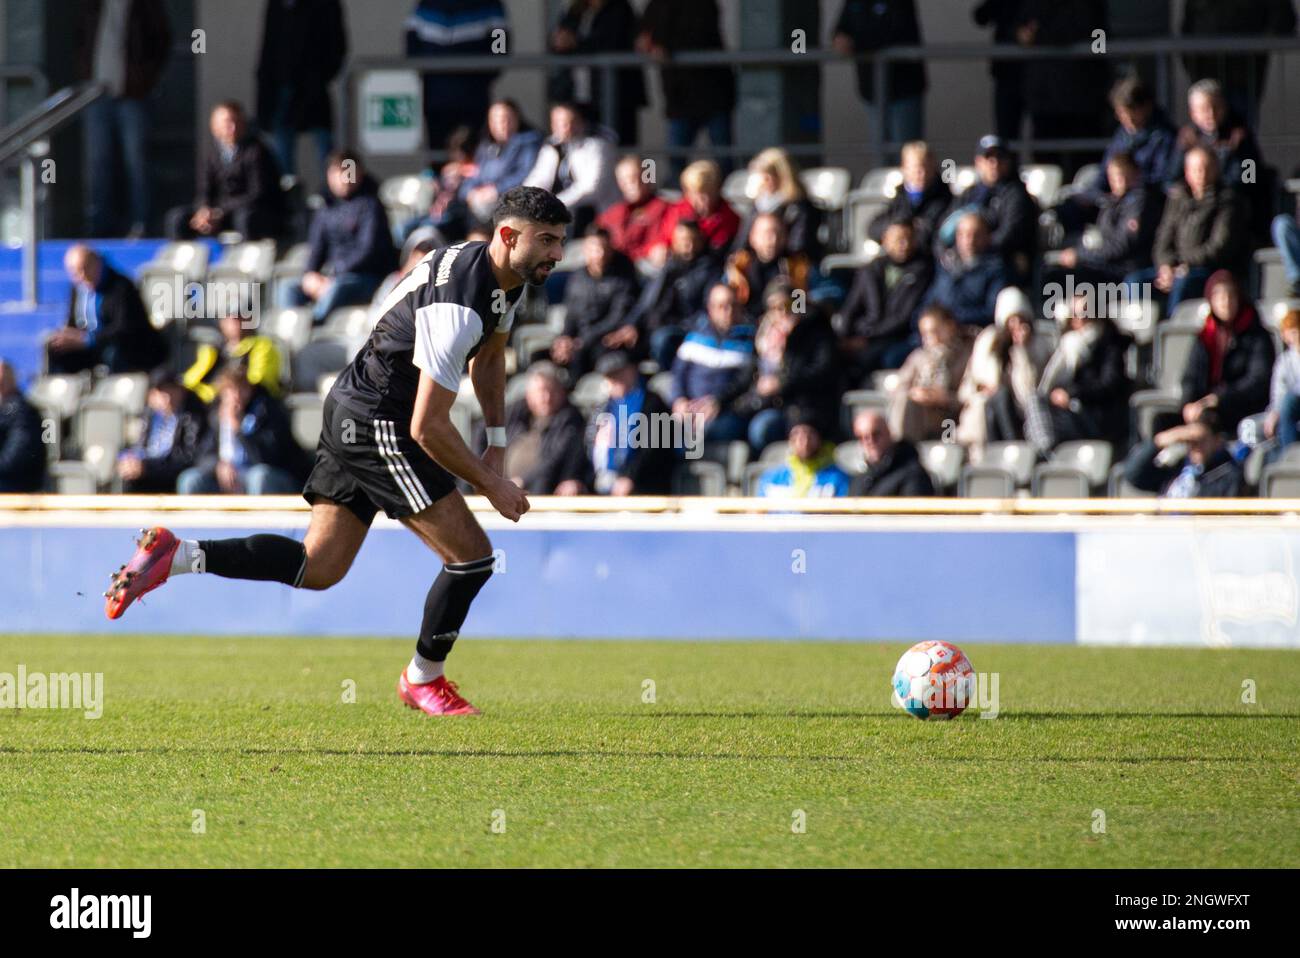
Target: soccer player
x,y
387,442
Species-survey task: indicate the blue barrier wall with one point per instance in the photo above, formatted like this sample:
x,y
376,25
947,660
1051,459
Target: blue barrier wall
x,y
581,581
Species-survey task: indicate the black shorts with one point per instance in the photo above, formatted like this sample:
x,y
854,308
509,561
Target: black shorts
x,y
372,464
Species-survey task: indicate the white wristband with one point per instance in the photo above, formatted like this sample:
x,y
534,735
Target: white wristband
x,y
496,436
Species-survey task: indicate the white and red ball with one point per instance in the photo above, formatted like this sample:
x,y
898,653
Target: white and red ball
x,y
934,680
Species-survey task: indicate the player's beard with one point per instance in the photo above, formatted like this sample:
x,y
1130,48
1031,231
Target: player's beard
x,y
531,271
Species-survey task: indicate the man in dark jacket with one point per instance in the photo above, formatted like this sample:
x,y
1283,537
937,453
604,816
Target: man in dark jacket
x,y
1001,198
1084,392
124,46
675,294
971,275
626,460
608,26
349,238
923,197
1209,471
1126,226
107,324
893,467
303,48
714,368
546,451
176,422
1243,75
865,25
22,454
880,309
456,28
239,186
597,302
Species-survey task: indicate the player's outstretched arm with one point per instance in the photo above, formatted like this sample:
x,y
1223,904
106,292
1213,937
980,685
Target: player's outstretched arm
x,y
432,428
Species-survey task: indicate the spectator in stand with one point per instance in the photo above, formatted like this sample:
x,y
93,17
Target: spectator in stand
x,y
1208,472
798,370
303,49
1215,126
22,452
695,98
239,186
502,160
809,471
349,237
577,165
925,395
624,467
1203,229
447,215
599,26
1126,227
970,275
597,302
1229,369
1283,418
881,308
546,452
701,201
1286,237
866,25
923,197
1008,209
775,187
455,28
1002,375
249,448
1243,74
1008,75
893,466
674,294
714,368
635,223
107,324
122,44
763,258
175,423
1144,134
256,357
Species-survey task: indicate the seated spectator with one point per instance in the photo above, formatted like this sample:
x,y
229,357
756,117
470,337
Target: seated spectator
x,y
1286,237
249,448
883,302
775,187
447,213
1085,387
635,223
351,248
1216,127
175,423
22,452
714,368
701,201
797,371
1001,376
577,165
925,397
597,301
1001,199
255,356
1229,369
893,466
107,323
1128,215
1203,229
502,160
622,466
923,197
809,472
763,258
239,185
675,294
970,275
1209,471
1283,419
546,452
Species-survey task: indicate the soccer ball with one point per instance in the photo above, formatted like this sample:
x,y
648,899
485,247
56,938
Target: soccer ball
x,y
934,680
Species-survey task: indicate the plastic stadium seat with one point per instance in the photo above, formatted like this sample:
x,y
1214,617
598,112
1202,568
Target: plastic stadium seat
x,y
515,387
1049,330
61,393
662,384
733,456
407,195
1043,181
291,325
827,186
943,461
1090,456
252,261
884,380
318,357
290,267
1281,480
188,258
51,431
1273,283
1173,346
1190,312
986,482
1054,480
573,258
325,383
735,190
530,339
699,478
101,433
1119,488
1138,319
589,393
964,177
350,323
1016,458
555,314
882,182
1149,403
774,454
753,473
848,456
306,414
128,390
1271,313
859,211
72,478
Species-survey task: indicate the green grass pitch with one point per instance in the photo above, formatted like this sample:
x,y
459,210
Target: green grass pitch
x,y
742,736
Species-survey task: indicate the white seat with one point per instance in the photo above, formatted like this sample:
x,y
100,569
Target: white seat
x,y
306,415
1017,458
986,482
848,456
1090,456
827,186
127,390
943,461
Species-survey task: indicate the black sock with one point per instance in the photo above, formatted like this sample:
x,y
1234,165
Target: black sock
x,y
265,558
448,603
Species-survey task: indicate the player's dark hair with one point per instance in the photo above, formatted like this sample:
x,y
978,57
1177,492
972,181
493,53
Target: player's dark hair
x,y
531,203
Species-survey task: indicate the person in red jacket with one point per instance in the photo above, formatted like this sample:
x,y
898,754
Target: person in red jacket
x,y
635,223
701,201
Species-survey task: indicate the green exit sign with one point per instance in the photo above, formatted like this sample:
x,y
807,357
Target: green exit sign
x,y
391,111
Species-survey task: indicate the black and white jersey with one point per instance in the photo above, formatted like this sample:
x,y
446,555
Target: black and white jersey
x,y
434,320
